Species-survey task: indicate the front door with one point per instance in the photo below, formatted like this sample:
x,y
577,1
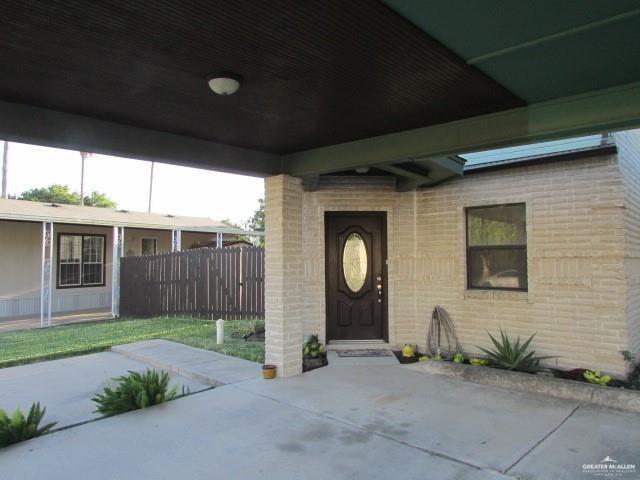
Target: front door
x,y
356,275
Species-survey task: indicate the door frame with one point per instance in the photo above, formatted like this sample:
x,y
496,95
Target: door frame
x,y
382,214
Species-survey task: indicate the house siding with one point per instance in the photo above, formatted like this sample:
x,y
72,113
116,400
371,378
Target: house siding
x,y
629,160
20,263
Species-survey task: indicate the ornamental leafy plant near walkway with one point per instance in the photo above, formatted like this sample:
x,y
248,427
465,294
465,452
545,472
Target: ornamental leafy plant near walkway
x,y
135,391
16,427
69,340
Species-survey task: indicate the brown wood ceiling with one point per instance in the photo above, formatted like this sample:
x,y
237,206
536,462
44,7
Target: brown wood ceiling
x,y
317,72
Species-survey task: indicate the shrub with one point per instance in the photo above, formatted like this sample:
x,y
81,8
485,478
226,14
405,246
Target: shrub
x,y
135,391
17,428
478,362
458,357
513,356
312,348
596,377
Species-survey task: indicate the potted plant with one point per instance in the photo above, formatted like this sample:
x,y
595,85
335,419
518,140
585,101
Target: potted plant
x,y
268,371
313,354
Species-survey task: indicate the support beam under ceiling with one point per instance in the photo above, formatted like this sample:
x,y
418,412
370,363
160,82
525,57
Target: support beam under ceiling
x,y
604,110
40,126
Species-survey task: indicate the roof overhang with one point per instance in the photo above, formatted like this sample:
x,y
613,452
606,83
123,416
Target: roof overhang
x,y
324,92
20,217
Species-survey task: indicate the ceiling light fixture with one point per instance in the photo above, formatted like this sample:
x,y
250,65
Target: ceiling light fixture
x,y
224,83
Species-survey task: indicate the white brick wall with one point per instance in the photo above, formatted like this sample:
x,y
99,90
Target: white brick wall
x,y
581,271
575,230
629,159
283,263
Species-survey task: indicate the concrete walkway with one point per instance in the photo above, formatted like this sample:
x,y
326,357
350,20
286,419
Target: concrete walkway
x,y
65,387
348,422
203,366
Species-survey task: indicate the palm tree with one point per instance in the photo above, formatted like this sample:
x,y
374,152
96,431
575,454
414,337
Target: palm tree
x,y
5,169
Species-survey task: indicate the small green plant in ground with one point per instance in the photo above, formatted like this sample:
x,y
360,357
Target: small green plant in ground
x,y
16,428
633,377
478,362
458,357
511,355
628,356
135,391
312,348
596,377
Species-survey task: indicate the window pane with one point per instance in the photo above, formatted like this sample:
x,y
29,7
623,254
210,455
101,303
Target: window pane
x,y
92,261
500,225
69,274
92,274
92,251
498,268
354,262
148,246
69,260
70,248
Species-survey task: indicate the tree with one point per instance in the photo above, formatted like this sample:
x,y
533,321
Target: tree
x,y
256,221
62,194
97,199
52,193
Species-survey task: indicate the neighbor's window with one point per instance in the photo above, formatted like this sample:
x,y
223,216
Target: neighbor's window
x,y
80,260
497,247
148,246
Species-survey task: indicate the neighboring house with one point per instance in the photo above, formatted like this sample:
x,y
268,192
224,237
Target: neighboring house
x,y
82,251
535,239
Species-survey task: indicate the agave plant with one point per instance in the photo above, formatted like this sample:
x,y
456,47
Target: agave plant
x,y
511,355
134,391
16,428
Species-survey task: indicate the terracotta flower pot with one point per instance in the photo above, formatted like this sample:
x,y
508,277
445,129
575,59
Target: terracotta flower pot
x,y
268,372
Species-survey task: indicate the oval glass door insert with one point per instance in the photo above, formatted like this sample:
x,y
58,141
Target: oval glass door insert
x,y
354,262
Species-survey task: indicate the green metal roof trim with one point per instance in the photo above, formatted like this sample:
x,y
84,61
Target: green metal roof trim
x,y
532,150
541,49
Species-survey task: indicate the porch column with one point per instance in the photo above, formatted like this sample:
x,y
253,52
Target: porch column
x,y
176,240
117,254
284,269
46,274
218,239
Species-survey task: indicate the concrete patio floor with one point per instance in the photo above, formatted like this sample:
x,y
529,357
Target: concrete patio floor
x,y
341,422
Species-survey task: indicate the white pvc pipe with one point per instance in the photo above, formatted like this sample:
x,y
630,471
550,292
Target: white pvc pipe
x,y
220,331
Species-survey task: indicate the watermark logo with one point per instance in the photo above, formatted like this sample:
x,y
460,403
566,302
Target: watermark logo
x,y
609,467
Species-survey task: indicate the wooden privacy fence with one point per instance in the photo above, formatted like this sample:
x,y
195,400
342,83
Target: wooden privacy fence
x,y
209,282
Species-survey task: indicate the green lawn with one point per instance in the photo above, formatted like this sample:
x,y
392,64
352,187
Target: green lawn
x,y
55,342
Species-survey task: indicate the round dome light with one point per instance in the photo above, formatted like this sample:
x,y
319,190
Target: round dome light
x,y
224,84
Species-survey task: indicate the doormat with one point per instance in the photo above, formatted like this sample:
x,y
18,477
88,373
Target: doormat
x,y
364,353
